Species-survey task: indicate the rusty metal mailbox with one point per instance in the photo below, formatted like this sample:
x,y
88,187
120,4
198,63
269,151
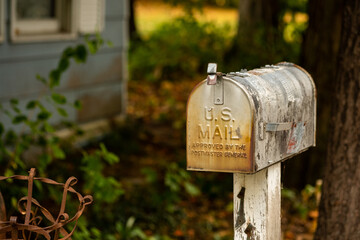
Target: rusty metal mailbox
x,y
246,121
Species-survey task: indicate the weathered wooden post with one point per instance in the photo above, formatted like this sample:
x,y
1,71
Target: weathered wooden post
x,y
247,123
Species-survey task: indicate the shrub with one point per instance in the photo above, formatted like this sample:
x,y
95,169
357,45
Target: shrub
x,y
178,49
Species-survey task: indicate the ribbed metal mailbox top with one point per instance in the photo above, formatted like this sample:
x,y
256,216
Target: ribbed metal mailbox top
x,y
245,121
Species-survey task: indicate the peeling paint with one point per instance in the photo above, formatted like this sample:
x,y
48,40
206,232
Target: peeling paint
x,y
282,94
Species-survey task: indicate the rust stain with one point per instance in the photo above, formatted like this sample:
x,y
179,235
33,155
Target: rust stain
x,y
254,72
30,207
218,137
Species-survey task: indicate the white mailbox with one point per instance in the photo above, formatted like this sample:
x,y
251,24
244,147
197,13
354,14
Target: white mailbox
x,y
246,121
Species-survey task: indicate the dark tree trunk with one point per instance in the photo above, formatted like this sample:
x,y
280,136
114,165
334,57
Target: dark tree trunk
x,y
319,53
256,20
133,33
252,13
2,209
340,205
2,213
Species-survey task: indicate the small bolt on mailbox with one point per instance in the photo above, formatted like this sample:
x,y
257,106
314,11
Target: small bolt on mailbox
x,y
247,123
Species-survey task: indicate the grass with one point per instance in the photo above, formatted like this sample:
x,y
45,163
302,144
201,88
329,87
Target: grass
x,y
150,14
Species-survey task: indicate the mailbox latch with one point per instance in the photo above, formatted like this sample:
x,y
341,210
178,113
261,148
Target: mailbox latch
x,y
215,78
211,71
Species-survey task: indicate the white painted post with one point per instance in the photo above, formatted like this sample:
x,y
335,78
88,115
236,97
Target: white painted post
x,y
257,204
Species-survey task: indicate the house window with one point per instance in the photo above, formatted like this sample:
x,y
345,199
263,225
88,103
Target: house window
x,y
2,20
37,20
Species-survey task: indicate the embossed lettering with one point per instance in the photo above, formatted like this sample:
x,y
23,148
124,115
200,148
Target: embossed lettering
x,y
222,133
209,113
226,114
217,132
235,135
206,133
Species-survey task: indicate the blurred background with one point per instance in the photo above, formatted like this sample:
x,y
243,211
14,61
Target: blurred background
x,y
98,89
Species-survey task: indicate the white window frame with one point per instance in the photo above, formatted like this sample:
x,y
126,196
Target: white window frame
x,y
2,20
46,29
91,16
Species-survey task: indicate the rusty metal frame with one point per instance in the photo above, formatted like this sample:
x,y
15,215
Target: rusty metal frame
x,y
30,207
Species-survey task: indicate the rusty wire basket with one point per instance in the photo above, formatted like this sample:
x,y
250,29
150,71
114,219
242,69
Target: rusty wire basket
x,y
34,213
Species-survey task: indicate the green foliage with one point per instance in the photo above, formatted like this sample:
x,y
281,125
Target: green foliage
x,y
128,231
190,6
178,49
105,189
178,179
35,118
38,138
305,202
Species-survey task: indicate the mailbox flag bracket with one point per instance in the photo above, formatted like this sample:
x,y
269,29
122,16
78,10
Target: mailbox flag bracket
x,y
274,127
219,92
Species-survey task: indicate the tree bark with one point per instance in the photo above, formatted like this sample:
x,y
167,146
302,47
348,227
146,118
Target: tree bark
x,y
340,205
252,13
318,56
256,20
133,32
2,213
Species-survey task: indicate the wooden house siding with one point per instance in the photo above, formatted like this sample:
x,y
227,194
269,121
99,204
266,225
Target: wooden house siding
x,y
100,83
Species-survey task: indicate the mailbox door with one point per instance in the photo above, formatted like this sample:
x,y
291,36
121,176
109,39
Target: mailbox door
x,y
220,128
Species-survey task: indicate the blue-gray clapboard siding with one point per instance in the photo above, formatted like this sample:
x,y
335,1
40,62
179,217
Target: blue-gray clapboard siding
x,y
101,83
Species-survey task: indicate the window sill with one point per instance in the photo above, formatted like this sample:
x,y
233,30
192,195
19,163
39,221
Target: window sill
x,y
43,37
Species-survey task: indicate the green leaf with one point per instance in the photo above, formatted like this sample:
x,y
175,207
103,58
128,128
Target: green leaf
x,y
54,77
48,128
103,148
44,161
58,98
14,101
150,174
8,172
63,64
92,46
68,52
1,128
62,112
10,137
191,189
31,105
81,54
137,232
109,43
130,222
58,152
96,232
111,158
77,105
42,108
41,79
44,115
19,119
